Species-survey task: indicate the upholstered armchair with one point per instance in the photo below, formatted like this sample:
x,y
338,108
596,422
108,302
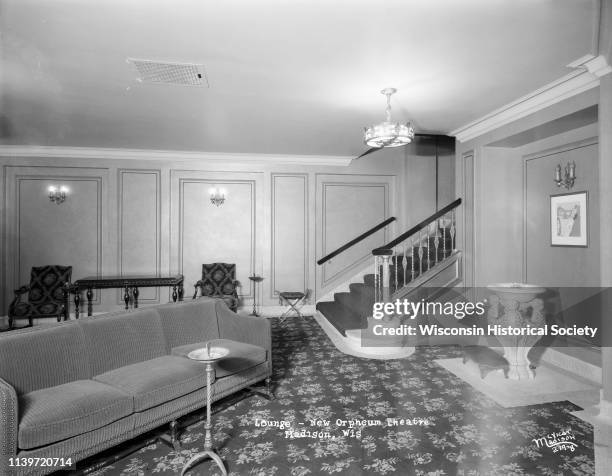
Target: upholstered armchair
x,y
219,280
47,295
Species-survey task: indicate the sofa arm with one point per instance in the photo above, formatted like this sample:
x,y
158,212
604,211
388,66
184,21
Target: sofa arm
x,y
252,330
8,426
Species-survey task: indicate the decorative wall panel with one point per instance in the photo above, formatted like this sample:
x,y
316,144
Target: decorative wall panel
x,y
42,232
350,205
139,227
290,242
209,234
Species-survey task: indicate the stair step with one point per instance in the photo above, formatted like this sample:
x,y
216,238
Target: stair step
x,y
340,317
350,302
350,310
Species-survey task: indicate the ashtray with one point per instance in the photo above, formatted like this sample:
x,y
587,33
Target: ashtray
x,y
212,353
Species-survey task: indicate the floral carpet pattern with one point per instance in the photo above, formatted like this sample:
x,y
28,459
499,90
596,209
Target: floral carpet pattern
x,y
398,417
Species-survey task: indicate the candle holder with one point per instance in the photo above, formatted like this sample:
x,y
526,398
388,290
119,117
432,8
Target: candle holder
x,y
569,175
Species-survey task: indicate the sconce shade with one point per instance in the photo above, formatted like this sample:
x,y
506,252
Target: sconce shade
x,y
217,196
57,194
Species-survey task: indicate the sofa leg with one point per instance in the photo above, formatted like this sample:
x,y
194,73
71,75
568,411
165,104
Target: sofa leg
x,y
269,388
267,393
173,439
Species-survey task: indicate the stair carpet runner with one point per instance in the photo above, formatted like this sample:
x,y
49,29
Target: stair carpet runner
x,y
351,310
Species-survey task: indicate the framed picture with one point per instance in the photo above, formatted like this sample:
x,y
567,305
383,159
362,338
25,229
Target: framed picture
x,y
569,219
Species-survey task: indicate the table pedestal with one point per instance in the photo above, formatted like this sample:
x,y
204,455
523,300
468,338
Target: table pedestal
x,y
255,279
516,309
208,452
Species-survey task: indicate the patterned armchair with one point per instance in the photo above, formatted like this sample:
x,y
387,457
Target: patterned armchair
x,y
219,280
47,296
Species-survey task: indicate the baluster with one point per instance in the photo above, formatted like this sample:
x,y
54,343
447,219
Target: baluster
x,y
376,271
395,265
411,258
404,263
437,240
444,236
428,249
420,243
453,230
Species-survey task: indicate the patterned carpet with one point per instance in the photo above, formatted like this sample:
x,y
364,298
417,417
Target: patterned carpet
x,y
455,430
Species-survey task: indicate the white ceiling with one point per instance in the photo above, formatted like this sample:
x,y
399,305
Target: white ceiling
x,y
287,77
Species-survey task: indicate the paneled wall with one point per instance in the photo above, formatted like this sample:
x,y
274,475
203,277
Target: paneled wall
x,y
136,215
290,233
139,227
509,176
349,206
561,266
38,231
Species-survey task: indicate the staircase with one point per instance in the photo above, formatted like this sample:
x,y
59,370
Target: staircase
x,y
422,258
350,310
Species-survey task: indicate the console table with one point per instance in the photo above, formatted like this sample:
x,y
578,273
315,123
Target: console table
x,y
128,283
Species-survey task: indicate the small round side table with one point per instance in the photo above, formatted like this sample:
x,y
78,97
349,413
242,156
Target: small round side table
x,y
255,279
207,355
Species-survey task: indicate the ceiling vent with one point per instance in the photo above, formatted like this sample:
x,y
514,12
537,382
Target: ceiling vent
x,y
184,74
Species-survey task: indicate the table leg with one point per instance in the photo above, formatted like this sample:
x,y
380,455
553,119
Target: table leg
x,y
254,313
89,301
174,294
135,294
126,297
77,301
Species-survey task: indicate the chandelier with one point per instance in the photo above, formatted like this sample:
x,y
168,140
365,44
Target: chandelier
x,y
388,134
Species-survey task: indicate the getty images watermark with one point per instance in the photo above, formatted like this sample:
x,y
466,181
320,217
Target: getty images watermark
x,y
558,441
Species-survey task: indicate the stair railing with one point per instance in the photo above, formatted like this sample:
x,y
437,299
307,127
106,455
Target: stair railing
x,y
356,240
414,252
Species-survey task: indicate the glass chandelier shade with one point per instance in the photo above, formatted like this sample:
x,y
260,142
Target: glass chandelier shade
x,y
388,133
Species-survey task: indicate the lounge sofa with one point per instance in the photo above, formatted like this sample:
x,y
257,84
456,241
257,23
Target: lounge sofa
x,y
75,388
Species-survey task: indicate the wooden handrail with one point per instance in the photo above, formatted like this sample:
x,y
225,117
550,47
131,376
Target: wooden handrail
x,y
356,240
416,228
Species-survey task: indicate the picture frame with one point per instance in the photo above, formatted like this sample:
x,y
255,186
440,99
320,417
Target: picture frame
x,y
569,219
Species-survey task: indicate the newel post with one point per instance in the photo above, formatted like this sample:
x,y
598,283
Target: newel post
x,y
384,275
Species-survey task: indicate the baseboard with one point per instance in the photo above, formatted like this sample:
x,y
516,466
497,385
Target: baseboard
x,y
277,311
575,365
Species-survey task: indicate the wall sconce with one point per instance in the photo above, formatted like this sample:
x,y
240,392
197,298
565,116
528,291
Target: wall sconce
x,y
217,196
569,175
57,195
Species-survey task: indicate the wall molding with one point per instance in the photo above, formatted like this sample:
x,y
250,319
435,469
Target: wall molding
x,y
35,151
252,184
547,152
120,211
587,71
385,186
13,219
274,178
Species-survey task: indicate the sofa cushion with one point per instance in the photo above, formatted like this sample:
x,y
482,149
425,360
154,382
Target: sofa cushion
x,y
189,322
52,414
156,381
116,340
241,356
44,356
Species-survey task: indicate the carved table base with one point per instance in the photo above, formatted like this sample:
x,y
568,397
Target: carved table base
x,y
521,309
